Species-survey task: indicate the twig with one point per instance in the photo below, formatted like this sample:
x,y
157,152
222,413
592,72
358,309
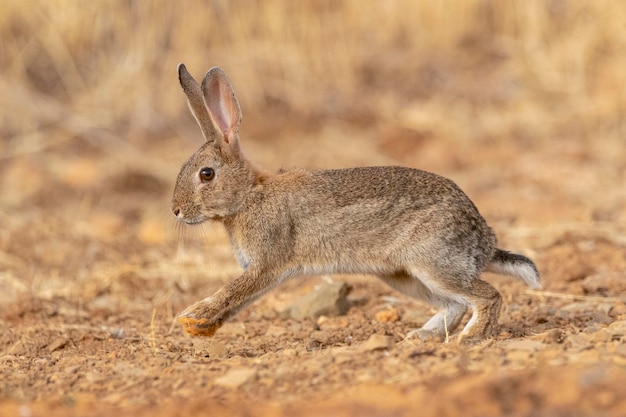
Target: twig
x,y
173,325
563,296
405,340
153,332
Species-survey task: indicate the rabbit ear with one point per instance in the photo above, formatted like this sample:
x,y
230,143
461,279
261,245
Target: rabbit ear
x,y
196,104
223,106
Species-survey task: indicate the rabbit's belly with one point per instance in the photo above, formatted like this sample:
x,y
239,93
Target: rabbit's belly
x,y
340,265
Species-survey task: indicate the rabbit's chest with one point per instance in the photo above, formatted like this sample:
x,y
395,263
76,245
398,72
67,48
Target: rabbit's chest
x,y
242,256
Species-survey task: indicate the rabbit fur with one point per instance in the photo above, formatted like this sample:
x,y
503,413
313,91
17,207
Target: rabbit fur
x,y
416,231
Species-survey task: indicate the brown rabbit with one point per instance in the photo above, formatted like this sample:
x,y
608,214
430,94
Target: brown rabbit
x,y
416,231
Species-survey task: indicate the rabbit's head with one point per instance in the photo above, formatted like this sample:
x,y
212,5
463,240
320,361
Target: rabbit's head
x,y
212,183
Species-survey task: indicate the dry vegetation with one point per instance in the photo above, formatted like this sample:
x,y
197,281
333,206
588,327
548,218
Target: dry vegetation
x,y
520,102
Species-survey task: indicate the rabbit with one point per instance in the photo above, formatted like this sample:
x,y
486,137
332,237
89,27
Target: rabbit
x,y
415,230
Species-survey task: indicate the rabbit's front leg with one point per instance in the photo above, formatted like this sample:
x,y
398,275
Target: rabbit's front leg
x,y
204,317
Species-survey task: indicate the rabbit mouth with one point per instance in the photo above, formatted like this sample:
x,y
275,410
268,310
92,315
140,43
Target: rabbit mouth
x,y
194,220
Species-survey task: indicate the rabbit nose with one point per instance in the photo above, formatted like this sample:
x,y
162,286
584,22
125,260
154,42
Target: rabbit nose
x,y
176,211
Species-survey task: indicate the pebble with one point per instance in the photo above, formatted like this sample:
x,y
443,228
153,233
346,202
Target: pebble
x,y
552,336
328,300
377,342
212,348
617,329
58,343
388,315
17,349
236,377
579,342
604,283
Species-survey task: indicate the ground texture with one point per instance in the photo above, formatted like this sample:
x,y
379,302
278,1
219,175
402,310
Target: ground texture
x,y
520,103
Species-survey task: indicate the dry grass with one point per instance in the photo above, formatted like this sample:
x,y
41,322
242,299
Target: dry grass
x,y
522,69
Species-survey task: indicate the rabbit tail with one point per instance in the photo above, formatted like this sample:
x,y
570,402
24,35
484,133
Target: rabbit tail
x,y
515,265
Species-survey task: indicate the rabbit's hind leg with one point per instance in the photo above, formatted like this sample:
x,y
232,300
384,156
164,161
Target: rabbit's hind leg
x,y
420,287
486,302
460,282
442,324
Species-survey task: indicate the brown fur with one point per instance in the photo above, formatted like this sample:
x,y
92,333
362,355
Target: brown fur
x,y
415,230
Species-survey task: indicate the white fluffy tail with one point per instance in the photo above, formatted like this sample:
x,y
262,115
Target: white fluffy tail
x,y
515,265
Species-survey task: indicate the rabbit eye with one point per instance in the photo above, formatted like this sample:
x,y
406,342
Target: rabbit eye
x,y
206,174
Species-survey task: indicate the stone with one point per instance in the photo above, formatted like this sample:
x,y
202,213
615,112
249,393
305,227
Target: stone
x,y
388,315
210,348
617,329
604,284
377,342
552,336
58,343
328,300
237,377
17,349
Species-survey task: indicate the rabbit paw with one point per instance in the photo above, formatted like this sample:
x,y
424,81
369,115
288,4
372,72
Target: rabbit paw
x,y
199,319
198,326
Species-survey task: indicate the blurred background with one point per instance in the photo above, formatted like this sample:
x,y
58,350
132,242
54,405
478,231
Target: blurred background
x,y
520,102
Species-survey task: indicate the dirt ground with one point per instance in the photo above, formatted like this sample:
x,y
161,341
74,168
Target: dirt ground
x,y
94,272
94,269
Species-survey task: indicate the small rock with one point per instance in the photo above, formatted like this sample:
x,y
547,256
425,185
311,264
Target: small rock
x,y
295,327
210,348
321,320
377,342
518,355
619,311
17,349
289,352
590,312
72,369
119,333
579,342
8,358
604,284
329,300
235,378
601,336
552,336
387,315
58,343
617,329
323,337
